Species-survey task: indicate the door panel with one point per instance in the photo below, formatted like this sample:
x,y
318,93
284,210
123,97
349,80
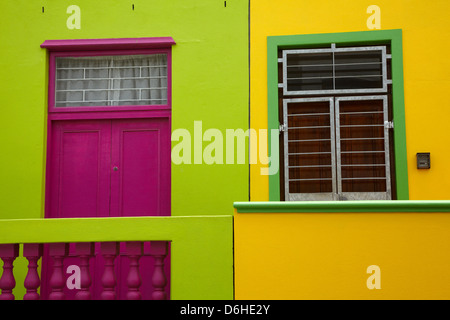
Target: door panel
x,y
80,181
141,172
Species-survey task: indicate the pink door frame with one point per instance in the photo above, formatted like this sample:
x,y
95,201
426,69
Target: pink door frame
x,y
103,47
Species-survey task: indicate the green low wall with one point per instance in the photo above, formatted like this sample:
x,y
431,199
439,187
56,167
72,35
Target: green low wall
x,y
201,248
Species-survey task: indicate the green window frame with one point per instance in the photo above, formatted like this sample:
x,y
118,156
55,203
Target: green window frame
x,y
394,37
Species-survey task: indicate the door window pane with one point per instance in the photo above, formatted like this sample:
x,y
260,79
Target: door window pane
x,y
111,80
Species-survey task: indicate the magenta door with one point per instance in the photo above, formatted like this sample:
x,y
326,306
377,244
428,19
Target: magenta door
x,y
80,177
140,176
109,168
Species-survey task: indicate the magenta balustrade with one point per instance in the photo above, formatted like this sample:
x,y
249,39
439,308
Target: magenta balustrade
x,y
159,250
58,251
109,251
8,253
134,251
85,250
33,252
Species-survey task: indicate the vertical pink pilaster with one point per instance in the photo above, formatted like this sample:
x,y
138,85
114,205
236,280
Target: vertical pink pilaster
x,y
159,252
58,251
84,250
8,253
33,252
109,252
134,252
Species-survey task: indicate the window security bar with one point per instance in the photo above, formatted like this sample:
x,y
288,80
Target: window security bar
x,y
318,166
313,127
318,179
342,191
366,178
334,70
357,139
362,151
302,153
362,125
363,165
309,140
363,112
334,175
331,65
308,114
328,171
335,77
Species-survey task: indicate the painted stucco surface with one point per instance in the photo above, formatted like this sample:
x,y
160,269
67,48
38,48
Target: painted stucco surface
x,y
209,84
201,250
317,255
326,255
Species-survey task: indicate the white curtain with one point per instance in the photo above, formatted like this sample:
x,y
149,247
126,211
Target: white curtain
x,y
111,80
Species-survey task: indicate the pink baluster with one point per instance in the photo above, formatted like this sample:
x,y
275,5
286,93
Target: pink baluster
x,y
58,251
134,253
8,253
109,251
85,251
159,252
33,252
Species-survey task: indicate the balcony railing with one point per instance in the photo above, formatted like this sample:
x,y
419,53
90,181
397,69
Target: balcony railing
x,y
113,255
85,251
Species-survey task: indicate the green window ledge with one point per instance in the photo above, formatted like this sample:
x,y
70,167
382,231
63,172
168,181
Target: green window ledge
x,y
343,206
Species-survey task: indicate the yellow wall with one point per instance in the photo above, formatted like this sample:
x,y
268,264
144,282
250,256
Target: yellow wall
x,y
426,68
326,255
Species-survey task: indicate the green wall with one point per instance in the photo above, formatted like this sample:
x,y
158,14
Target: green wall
x,y
210,83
